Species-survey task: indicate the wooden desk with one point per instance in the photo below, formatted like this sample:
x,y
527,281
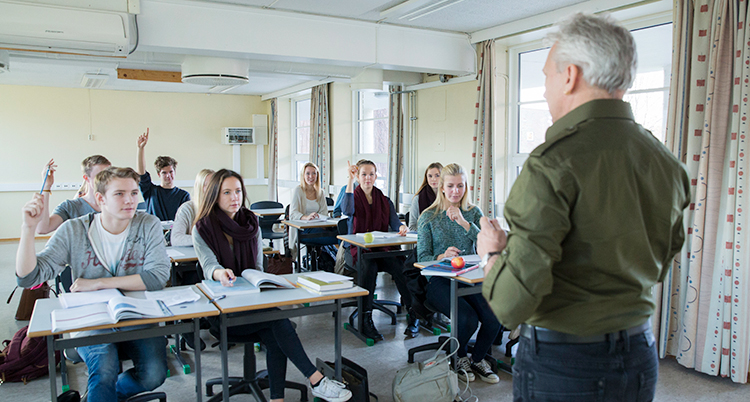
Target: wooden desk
x,y
278,298
358,240
41,325
268,211
300,226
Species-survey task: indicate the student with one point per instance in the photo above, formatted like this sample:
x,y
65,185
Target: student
x,y
448,228
425,195
227,240
369,210
185,217
162,200
309,202
117,248
79,206
337,205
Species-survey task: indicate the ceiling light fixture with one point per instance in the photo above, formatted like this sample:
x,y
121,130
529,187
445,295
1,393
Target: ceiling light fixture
x,y
93,80
427,10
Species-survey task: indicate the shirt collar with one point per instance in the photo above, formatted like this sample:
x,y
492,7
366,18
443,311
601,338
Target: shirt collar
x,y
595,109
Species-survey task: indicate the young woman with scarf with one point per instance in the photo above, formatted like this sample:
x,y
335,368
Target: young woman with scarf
x,y
227,240
449,228
370,210
425,195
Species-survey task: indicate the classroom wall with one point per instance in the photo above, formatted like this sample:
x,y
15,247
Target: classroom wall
x,y
39,123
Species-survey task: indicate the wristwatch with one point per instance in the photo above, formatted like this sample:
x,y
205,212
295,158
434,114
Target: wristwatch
x,y
487,257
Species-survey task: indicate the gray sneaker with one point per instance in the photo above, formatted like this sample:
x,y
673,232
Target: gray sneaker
x,y
484,371
331,391
463,369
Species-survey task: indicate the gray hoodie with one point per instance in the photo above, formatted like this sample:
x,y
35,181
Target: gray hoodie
x,y
74,244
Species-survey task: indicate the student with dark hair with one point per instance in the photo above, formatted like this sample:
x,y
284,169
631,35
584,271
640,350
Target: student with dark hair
x,y
227,240
117,248
163,200
425,195
370,210
75,207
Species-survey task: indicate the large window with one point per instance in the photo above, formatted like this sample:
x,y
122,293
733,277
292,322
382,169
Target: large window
x,y
648,96
371,131
300,133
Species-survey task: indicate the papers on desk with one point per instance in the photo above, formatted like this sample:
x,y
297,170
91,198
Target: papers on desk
x,y
321,282
172,253
70,300
377,235
411,234
251,281
470,259
116,309
444,268
173,297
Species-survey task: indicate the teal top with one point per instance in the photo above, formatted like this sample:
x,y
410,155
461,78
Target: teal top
x,y
437,233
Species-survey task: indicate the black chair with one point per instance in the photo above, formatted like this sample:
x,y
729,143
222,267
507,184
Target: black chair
x,y
252,382
330,202
267,222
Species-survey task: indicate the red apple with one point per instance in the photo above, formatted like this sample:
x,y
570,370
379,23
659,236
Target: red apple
x,y
457,262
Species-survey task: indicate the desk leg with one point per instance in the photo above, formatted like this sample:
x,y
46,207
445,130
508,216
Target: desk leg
x,y
299,250
360,304
337,339
51,364
224,359
454,316
197,353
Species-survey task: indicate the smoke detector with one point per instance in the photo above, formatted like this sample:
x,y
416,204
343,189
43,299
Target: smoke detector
x,y
4,61
214,71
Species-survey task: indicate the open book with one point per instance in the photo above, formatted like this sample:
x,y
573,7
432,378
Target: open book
x,y
251,281
75,299
444,268
116,309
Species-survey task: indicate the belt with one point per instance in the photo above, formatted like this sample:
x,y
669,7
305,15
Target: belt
x,y
552,336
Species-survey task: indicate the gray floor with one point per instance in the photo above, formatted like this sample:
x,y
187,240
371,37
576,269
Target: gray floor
x,y
676,383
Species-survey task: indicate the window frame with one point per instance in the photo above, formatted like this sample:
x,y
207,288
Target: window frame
x,y
375,157
297,156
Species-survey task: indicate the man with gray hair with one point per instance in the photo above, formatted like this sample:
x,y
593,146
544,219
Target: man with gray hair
x,y
595,220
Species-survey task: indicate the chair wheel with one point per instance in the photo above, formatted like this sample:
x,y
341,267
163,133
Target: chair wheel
x,y
370,342
436,331
346,325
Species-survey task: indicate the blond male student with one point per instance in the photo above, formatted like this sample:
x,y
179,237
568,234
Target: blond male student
x,y
117,248
75,207
162,200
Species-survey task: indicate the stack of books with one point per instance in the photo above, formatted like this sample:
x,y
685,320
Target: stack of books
x,y
324,282
444,268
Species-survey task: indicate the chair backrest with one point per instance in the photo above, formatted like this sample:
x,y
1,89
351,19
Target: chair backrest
x,y
343,226
329,201
267,222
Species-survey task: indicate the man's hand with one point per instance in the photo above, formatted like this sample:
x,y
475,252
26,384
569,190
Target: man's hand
x,y
33,210
142,140
85,285
51,175
492,237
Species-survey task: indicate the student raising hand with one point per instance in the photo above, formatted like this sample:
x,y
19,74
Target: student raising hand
x,y
32,211
49,174
142,140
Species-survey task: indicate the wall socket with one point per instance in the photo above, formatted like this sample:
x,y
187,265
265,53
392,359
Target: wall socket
x,y
66,186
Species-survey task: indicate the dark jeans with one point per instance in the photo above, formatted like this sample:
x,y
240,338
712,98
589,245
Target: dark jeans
x,y
472,309
391,265
281,342
320,241
620,370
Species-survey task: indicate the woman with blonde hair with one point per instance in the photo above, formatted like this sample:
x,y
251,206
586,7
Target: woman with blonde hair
x,y
449,228
184,219
309,203
426,194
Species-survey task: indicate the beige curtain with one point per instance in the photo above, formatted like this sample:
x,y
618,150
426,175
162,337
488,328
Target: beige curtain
x,y
704,302
320,139
481,183
395,143
273,152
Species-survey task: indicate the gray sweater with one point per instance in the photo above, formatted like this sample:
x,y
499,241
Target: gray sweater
x,y
73,244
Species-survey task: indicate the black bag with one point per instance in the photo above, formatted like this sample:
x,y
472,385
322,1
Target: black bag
x,y
353,376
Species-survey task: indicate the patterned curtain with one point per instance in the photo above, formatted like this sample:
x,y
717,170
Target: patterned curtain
x,y
320,139
481,183
395,143
704,319
273,152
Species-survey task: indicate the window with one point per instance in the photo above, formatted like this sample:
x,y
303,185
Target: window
x,y
648,97
371,121
300,133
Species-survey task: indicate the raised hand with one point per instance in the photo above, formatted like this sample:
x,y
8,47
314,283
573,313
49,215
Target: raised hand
x,y
50,175
352,169
142,140
33,210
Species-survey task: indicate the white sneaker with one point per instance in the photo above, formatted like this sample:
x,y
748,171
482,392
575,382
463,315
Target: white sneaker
x,y
463,369
331,391
484,371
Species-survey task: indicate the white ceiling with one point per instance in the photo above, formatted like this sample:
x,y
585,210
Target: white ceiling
x,y
163,46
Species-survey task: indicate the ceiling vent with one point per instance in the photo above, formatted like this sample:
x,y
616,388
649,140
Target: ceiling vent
x,y
93,80
214,71
4,61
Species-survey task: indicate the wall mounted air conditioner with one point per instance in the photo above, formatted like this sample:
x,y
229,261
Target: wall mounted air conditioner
x,y
241,136
53,29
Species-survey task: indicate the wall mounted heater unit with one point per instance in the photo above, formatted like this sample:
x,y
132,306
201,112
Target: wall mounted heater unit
x,y
239,136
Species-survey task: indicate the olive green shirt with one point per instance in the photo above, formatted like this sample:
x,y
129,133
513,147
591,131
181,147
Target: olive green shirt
x,y
595,220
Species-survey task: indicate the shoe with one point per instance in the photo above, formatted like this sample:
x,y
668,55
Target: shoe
x,y
369,330
186,341
484,371
331,391
463,369
412,324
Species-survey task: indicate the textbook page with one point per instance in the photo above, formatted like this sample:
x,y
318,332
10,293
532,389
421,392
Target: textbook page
x,y
75,299
265,280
